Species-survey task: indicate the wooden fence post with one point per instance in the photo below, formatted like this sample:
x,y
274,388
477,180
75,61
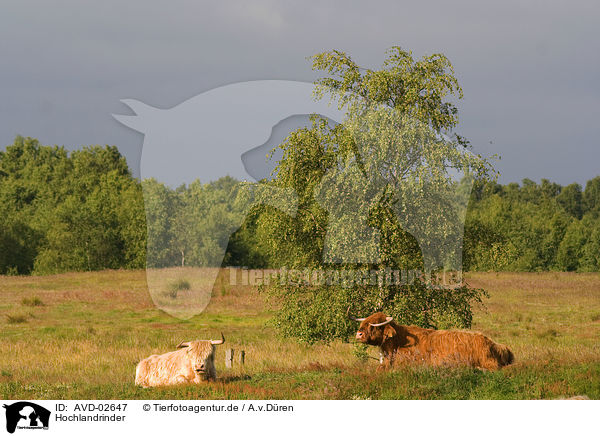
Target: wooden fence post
x,y
242,357
229,358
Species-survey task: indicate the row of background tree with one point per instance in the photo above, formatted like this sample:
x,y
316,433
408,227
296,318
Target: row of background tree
x,y
84,210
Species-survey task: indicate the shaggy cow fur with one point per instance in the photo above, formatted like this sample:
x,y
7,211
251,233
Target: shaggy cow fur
x,y
403,344
194,362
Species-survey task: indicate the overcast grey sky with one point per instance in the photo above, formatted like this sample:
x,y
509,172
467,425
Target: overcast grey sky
x,y
529,69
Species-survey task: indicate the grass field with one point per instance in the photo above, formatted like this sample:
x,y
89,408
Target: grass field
x,y
80,336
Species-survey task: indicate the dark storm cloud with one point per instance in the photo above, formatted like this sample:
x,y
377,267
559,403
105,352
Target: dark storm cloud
x,y
529,69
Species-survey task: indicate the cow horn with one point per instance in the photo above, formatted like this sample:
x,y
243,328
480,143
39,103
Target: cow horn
x,y
219,342
388,319
352,318
183,344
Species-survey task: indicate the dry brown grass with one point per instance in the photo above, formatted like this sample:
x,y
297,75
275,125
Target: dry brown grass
x,y
93,328
543,316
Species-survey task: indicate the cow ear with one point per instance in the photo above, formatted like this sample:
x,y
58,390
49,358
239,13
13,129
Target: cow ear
x,y
183,344
389,332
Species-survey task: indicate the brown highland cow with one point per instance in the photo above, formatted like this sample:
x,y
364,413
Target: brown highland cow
x,y
410,344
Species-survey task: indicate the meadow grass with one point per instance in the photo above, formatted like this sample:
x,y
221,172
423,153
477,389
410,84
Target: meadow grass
x,y
92,329
33,301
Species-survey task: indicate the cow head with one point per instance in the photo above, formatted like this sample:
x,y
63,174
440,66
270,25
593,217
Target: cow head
x,y
375,329
201,355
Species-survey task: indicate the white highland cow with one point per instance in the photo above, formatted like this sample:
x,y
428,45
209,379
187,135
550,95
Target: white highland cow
x,y
193,362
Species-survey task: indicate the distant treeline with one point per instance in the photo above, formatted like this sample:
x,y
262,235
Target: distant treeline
x,y
83,210
533,227
60,211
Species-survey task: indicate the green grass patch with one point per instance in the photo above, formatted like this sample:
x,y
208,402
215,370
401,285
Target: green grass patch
x,y
32,302
174,287
16,318
550,333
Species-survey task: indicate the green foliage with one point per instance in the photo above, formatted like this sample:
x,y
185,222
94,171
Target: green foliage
x,y
415,88
387,160
18,246
591,195
570,199
533,227
570,250
298,241
435,307
64,212
160,208
50,222
189,226
84,211
361,351
314,313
